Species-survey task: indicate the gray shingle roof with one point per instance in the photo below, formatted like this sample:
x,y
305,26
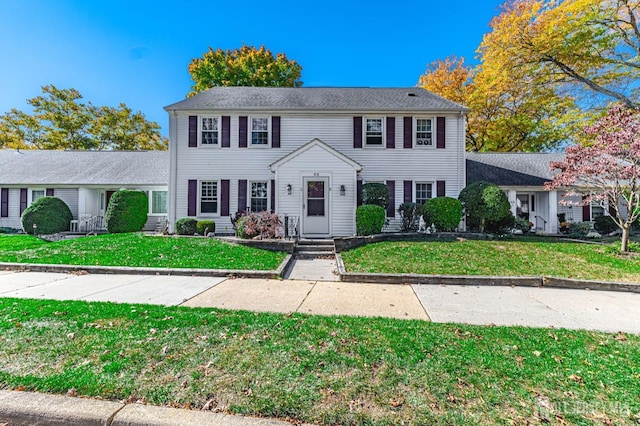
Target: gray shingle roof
x,y
40,167
511,169
316,99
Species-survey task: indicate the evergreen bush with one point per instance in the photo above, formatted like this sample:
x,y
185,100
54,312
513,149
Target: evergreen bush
x,y
370,219
410,214
444,213
376,194
204,227
50,214
127,211
604,224
486,206
186,226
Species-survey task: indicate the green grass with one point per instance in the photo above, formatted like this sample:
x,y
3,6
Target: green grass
x,y
138,250
329,370
501,258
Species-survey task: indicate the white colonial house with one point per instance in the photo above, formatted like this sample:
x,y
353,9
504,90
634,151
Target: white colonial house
x,y
305,153
84,180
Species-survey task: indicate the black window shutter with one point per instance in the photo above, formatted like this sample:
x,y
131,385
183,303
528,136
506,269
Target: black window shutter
x,y
273,195
242,195
408,130
358,193
242,132
49,192
224,197
586,211
357,132
192,197
391,209
4,202
226,131
193,131
275,132
441,133
441,188
391,132
23,199
408,191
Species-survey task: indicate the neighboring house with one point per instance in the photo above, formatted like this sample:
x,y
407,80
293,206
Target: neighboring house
x,y
305,153
85,180
522,176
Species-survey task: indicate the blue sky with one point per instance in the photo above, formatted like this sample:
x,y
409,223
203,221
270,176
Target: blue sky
x,y
137,52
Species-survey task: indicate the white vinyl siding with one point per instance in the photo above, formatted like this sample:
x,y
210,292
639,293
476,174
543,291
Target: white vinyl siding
x,y
336,130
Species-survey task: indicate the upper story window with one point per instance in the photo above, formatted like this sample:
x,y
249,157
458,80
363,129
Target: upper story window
x,y
259,131
424,191
209,131
259,196
373,131
424,132
209,197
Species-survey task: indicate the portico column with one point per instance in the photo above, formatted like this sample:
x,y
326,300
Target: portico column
x,y
511,195
553,212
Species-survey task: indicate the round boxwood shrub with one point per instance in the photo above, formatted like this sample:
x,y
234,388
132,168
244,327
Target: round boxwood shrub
x,y
376,194
604,224
186,226
203,227
444,213
486,206
369,219
50,214
127,211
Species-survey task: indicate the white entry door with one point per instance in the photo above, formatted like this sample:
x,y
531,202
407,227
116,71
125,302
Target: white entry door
x,y
315,209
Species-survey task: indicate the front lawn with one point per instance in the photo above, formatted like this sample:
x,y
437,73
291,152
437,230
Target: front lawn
x,y
327,370
138,250
496,258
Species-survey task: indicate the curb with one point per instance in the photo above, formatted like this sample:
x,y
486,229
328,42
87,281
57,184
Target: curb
x,y
192,272
30,408
534,281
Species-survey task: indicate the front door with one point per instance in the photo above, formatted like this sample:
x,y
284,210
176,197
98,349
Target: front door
x,y
315,208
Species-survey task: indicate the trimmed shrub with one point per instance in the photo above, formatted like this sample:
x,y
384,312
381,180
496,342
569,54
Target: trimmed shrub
x,y
261,225
486,206
604,224
444,213
410,214
50,214
186,226
376,194
579,229
521,224
370,219
203,227
127,211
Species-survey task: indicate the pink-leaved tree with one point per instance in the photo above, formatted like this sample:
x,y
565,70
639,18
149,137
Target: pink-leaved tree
x,y
609,167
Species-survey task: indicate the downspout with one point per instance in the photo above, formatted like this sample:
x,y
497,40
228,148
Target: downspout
x,y
173,169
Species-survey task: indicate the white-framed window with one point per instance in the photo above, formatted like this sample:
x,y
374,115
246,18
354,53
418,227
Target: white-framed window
x,y
374,131
259,131
37,193
259,196
597,209
423,132
209,197
158,202
424,191
209,131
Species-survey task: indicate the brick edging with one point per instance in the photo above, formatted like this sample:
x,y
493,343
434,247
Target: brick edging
x,y
534,281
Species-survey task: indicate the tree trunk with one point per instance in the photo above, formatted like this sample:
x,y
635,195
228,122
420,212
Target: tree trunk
x,y
624,244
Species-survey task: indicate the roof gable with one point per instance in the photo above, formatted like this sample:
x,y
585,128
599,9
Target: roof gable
x,y
310,145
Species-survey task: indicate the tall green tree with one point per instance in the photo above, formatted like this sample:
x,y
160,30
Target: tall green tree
x,y
60,120
246,66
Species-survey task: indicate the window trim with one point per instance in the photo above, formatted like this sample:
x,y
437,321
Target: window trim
x,y
199,206
30,199
383,130
249,196
415,190
150,195
219,132
250,143
414,133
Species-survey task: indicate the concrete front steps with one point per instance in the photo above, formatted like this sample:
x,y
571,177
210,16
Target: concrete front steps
x,y
314,249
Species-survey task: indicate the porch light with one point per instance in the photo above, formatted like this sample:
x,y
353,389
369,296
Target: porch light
x,y
343,190
288,189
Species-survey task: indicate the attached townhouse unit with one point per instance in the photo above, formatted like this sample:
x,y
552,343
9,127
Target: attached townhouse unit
x,y
305,153
84,180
